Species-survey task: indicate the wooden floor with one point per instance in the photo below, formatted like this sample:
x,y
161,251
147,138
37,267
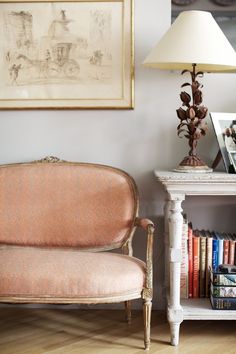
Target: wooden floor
x,y
69,331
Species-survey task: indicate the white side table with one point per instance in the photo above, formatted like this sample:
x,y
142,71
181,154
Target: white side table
x,y
177,186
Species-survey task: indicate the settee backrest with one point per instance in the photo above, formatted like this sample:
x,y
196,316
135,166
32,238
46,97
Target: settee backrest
x,y
66,205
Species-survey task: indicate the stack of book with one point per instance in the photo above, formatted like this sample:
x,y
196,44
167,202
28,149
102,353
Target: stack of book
x,y
223,290
202,250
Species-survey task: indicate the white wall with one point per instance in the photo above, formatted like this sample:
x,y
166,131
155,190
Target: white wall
x,y
137,141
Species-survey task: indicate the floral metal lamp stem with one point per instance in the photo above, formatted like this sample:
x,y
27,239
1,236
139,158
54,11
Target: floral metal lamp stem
x,y
192,124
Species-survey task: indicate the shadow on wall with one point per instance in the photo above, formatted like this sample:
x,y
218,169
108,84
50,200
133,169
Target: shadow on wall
x,y
211,212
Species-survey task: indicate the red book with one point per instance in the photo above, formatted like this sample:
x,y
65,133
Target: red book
x,y
226,252
202,271
231,250
196,263
190,260
208,260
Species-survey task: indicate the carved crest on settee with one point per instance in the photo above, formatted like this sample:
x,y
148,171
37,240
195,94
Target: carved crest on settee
x,y
49,159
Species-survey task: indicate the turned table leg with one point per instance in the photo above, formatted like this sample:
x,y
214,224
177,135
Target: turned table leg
x,y
174,311
166,289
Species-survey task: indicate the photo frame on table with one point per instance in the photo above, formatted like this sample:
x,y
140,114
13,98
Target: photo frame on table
x,y
66,54
225,129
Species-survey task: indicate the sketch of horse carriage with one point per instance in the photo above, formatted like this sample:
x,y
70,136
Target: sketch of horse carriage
x,y
57,62
61,62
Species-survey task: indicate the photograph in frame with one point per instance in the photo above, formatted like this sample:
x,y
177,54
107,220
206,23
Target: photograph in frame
x,y
232,157
225,129
66,54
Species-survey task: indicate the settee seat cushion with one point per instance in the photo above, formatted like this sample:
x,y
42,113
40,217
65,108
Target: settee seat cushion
x,y
67,273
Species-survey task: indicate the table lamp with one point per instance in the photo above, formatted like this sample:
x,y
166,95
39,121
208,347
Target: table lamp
x,y
194,44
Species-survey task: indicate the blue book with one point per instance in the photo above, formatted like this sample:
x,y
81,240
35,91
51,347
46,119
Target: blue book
x,y
215,250
220,239
223,303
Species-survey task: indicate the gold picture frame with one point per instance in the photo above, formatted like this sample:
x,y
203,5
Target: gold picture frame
x,y
66,54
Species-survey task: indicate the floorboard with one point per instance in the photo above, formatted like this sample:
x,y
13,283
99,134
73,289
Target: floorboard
x,y
73,331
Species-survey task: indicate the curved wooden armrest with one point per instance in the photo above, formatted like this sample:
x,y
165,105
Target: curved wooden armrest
x,y
144,223
148,226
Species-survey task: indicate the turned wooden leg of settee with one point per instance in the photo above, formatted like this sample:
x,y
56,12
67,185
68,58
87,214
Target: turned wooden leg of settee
x,y
147,308
128,311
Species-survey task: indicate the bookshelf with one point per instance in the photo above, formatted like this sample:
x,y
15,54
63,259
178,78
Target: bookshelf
x,y
178,186
200,309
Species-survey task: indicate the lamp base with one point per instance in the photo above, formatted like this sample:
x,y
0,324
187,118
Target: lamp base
x,y
193,164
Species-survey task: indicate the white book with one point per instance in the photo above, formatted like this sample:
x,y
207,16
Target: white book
x,y
184,261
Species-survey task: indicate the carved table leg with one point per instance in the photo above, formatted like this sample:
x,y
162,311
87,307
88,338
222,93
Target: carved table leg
x,y
166,243
175,312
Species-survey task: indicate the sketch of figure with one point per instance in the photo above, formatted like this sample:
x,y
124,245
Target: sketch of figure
x,y
96,58
48,56
63,15
8,56
14,72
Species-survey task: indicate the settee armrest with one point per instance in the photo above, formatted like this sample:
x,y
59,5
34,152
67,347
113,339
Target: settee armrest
x,y
148,226
144,223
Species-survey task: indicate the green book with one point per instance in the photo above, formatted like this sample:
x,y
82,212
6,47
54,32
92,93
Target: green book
x,y
223,291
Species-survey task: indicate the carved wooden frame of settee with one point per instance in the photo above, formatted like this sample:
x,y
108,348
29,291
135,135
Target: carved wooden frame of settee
x,y
147,292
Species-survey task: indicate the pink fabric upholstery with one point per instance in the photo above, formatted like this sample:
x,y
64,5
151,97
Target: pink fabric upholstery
x,y
65,205
31,271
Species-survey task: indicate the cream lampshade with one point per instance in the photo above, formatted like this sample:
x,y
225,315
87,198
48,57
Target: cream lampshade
x,y
194,44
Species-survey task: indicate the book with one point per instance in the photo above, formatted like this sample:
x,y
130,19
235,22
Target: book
x,y
226,249
202,265
227,268
223,303
215,249
231,249
235,249
190,260
208,260
184,260
220,239
196,263
228,279
223,291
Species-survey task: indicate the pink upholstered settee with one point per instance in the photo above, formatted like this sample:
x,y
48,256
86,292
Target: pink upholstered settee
x,y
57,219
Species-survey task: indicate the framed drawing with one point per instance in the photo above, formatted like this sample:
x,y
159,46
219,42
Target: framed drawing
x,y
66,54
225,129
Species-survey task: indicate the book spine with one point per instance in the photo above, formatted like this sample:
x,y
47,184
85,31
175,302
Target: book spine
x,y
221,303
223,291
202,272
214,255
223,279
190,261
226,252
231,251
208,263
195,266
220,251
184,262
